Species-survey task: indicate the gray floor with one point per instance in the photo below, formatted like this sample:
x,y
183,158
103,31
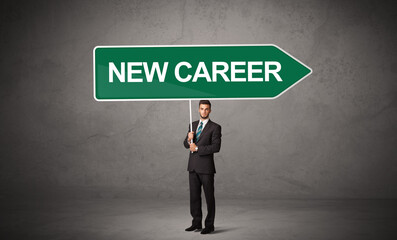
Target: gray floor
x,y
94,219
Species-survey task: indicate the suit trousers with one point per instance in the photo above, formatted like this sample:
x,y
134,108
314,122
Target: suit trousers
x,y
196,180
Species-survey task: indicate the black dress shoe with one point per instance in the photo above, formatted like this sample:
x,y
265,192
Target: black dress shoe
x,y
207,230
193,227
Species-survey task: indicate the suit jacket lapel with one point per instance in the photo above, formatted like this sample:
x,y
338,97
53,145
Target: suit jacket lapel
x,y
194,126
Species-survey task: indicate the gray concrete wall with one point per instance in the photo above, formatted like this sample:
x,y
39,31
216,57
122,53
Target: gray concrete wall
x,y
331,136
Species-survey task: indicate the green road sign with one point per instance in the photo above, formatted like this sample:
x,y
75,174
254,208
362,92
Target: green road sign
x,y
136,73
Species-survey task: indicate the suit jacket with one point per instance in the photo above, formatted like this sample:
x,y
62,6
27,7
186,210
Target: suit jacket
x,y
209,143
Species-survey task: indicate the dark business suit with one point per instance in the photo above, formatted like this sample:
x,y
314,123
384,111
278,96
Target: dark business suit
x,y
201,169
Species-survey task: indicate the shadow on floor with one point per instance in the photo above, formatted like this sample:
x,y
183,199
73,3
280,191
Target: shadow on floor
x,y
223,229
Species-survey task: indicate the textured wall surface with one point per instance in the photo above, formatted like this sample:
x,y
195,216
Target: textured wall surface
x,y
334,135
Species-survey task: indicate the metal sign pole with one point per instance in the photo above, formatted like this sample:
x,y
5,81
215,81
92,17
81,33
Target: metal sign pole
x,y
190,110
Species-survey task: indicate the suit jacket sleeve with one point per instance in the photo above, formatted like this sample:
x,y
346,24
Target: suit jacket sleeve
x,y
185,143
215,145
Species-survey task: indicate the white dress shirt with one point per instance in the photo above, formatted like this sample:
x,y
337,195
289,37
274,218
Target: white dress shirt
x,y
204,123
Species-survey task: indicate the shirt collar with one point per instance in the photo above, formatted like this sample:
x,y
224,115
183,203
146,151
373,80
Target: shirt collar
x,y
205,121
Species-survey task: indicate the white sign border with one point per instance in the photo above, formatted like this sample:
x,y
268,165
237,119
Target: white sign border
x,y
204,45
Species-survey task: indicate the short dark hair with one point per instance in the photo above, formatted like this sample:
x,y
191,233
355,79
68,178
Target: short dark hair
x,y
206,102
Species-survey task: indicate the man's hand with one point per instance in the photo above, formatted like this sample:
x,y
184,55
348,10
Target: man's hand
x,y
190,136
193,147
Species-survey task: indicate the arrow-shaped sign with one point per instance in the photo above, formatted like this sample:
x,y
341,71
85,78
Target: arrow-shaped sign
x,y
132,73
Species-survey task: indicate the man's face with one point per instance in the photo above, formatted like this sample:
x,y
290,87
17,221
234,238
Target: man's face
x,y
204,110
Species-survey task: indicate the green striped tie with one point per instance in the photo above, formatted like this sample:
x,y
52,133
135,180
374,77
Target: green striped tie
x,y
199,131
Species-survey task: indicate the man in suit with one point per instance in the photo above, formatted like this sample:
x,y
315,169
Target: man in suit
x,y
202,142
